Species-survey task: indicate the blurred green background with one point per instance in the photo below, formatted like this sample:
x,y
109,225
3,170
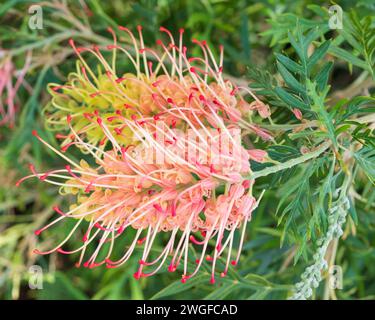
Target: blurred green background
x,y
251,32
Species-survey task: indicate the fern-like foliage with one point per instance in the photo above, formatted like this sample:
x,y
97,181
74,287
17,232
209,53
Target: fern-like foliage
x,y
366,160
359,34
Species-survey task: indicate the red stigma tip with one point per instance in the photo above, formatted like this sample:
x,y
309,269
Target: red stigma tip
x,y
64,148
140,241
34,133
246,184
57,209
37,232
174,210
233,262
59,136
121,229
212,280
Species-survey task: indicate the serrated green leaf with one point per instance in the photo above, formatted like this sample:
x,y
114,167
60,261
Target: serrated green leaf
x,y
312,35
318,54
366,160
319,107
290,80
291,100
348,57
321,77
297,47
289,63
222,292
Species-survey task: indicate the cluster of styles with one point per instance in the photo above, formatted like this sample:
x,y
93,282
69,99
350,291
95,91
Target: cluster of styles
x,y
198,202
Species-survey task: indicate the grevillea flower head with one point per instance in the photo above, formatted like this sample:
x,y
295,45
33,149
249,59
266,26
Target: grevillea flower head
x,y
9,87
179,170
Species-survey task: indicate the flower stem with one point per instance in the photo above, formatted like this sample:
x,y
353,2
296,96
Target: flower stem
x,y
291,163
